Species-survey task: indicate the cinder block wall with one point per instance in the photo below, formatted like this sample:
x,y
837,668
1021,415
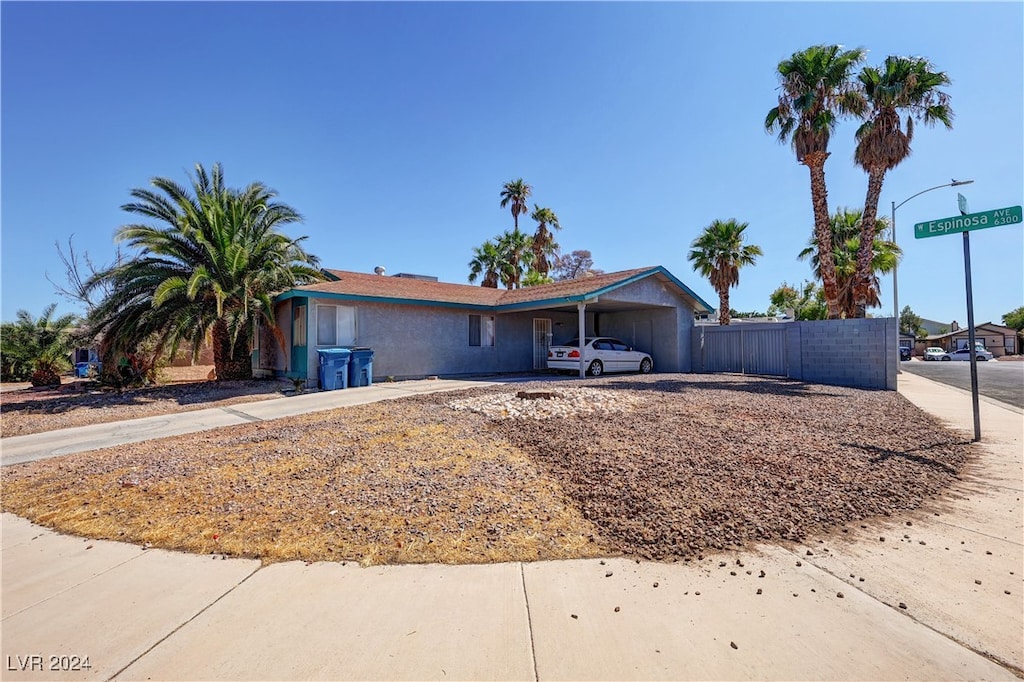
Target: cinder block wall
x,y
858,353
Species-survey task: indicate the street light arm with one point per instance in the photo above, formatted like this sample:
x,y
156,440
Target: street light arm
x,y
955,183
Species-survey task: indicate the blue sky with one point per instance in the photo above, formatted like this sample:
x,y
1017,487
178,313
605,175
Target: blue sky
x,y
391,127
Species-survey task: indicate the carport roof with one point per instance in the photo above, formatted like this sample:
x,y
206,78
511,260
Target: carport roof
x,y
358,286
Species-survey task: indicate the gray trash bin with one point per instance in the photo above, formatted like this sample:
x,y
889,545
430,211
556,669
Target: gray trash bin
x,y
360,368
332,372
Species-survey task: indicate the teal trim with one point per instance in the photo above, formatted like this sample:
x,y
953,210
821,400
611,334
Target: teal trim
x,y
299,354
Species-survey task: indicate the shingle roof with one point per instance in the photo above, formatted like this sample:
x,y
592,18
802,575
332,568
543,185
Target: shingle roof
x,y
403,289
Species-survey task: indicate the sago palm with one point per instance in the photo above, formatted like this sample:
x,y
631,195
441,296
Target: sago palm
x,y
718,254
37,349
514,194
209,268
904,85
815,92
845,225
543,240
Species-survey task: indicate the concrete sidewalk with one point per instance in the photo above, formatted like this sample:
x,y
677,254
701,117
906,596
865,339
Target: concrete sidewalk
x,y
939,598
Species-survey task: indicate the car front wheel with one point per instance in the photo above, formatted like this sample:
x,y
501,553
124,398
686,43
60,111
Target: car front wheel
x,y
946,359
596,369
646,366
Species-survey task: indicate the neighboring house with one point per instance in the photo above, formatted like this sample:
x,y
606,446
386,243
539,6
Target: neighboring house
x,y
997,339
420,327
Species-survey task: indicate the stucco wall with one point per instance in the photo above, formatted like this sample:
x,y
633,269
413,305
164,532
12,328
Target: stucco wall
x,y
664,332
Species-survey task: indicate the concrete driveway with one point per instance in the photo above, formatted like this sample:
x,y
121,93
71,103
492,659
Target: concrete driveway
x,y
1001,380
940,597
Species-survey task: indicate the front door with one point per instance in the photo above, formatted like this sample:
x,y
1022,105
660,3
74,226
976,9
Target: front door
x,y
541,342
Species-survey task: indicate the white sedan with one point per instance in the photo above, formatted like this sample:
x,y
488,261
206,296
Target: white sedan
x,y
600,355
965,354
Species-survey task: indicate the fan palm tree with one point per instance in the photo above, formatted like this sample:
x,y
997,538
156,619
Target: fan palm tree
x,y
37,349
543,241
907,85
718,254
516,249
845,225
815,91
488,261
514,193
210,268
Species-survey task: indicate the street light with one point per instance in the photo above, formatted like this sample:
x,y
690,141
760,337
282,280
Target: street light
x,y
895,289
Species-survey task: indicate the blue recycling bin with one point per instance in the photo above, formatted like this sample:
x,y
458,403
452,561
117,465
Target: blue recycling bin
x,y
360,368
333,369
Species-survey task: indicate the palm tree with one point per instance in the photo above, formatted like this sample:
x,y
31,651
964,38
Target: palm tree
x,y
845,226
904,85
209,269
543,241
718,254
815,91
516,249
37,349
488,261
516,192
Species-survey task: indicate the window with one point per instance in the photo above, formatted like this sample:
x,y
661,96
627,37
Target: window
x,y
481,330
335,325
299,326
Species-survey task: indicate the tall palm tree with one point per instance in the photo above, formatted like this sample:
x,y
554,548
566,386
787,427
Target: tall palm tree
x,y
845,225
907,85
487,261
514,193
543,241
210,268
718,254
815,91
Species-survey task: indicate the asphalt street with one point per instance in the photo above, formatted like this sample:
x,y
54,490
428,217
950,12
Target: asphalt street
x,y
1000,380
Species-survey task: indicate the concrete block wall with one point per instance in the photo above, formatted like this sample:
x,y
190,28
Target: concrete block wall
x,y
857,353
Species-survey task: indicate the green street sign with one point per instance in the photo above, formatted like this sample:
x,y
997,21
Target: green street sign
x,y
969,222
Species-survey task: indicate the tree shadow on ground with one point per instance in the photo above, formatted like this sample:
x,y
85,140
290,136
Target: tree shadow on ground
x,y
764,386
883,454
89,398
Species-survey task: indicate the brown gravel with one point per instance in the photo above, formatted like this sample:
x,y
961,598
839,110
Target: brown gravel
x,y
35,410
699,462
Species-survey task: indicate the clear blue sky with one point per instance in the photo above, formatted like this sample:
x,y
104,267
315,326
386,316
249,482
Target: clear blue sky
x,y
391,127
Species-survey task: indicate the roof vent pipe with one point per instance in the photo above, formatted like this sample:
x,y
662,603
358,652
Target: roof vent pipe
x,y
379,269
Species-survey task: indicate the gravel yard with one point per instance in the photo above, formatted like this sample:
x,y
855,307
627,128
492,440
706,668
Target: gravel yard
x,y
661,466
35,410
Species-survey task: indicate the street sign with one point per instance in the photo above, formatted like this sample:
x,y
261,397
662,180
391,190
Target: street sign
x,y
961,202
969,222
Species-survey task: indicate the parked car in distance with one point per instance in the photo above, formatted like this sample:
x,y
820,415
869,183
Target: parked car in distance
x,y
933,353
904,353
601,354
965,354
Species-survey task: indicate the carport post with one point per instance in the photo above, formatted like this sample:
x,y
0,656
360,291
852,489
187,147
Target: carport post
x,y
581,309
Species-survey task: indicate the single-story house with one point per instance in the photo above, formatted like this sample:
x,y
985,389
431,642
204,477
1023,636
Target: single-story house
x,y
997,339
420,327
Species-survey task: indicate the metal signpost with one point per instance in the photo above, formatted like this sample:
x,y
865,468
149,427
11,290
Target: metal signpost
x,y
965,222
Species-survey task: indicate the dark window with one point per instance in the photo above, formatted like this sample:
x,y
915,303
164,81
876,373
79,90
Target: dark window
x,y
481,330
